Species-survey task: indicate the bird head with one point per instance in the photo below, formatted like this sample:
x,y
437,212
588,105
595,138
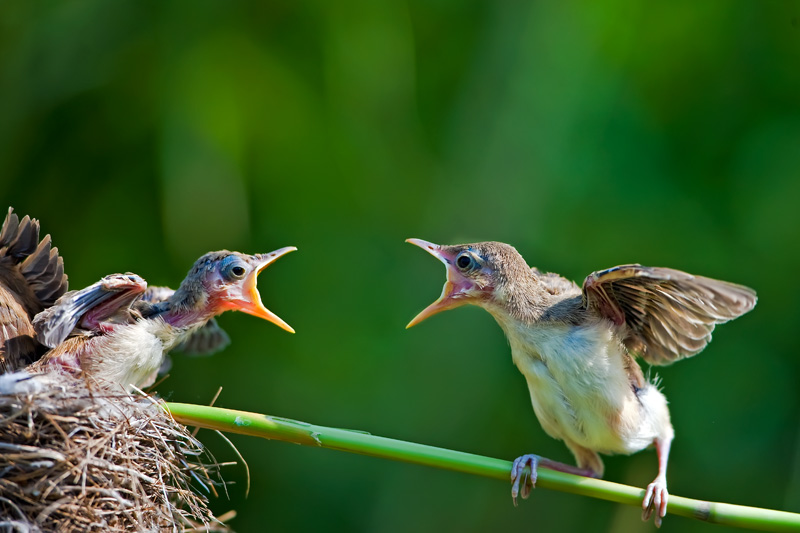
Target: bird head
x,y
479,274
226,281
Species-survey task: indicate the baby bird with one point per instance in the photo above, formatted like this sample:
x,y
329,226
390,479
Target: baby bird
x,y
118,330
31,279
576,347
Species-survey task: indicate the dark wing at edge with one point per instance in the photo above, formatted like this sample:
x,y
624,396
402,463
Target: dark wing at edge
x,y
38,262
31,278
669,314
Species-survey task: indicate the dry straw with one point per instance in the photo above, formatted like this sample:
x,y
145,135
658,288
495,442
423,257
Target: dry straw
x,y
78,457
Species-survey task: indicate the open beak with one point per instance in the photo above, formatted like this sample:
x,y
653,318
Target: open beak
x,y
451,290
253,306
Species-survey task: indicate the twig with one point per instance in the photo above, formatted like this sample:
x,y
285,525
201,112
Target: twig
x,y
241,458
276,428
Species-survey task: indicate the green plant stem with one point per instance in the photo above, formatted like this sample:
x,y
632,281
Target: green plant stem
x,y
270,427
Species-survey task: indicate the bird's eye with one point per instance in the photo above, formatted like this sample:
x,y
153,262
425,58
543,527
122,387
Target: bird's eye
x,y
464,261
232,268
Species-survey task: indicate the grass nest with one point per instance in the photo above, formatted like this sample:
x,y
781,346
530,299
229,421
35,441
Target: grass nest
x,y
78,457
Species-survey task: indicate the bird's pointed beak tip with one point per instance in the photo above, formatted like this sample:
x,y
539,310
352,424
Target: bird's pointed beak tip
x,y
268,259
432,248
425,245
257,309
275,319
417,319
254,306
443,303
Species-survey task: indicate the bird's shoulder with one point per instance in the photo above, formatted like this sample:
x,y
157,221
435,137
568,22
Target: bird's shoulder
x,y
564,302
556,284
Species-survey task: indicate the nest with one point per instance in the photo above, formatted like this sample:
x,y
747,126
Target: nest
x,y
74,457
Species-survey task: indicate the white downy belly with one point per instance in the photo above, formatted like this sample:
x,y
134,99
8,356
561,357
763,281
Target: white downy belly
x,y
579,388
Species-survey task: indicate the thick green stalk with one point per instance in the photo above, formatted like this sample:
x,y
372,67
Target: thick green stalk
x,y
271,427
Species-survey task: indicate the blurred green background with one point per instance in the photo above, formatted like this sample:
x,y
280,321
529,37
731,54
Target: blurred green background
x,y
588,134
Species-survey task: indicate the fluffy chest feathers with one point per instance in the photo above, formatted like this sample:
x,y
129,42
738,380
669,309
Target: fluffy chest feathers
x,y
579,386
132,354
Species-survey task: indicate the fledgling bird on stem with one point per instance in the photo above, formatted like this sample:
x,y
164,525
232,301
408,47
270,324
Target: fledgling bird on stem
x,y
118,330
576,348
31,279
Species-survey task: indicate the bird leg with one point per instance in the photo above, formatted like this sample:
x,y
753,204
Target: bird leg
x,y
656,495
518,473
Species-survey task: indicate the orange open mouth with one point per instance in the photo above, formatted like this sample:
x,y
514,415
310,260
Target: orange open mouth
x,y
254,306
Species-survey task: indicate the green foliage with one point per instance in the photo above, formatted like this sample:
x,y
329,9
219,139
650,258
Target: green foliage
x,y
143,134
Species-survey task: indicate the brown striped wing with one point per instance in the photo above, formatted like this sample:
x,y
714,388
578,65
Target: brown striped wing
x,y
669,314
31,279
17,346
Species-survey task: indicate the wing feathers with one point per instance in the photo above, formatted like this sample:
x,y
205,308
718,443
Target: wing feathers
x,y
31,278
111,296
669,314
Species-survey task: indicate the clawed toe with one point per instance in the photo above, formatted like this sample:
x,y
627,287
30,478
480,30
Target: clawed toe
x,y
518,473
655,499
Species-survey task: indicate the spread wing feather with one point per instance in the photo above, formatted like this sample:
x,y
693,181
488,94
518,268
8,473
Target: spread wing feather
x,y
86,308
669,314
31,279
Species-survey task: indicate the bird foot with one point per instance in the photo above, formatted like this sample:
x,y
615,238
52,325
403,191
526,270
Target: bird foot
x,y
518,473
655,499
534,462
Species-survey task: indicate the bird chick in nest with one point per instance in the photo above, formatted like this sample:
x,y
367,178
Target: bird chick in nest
x,y
118,330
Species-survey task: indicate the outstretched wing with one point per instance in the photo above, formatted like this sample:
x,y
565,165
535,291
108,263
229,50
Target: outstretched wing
x,y
31,279
108,299
669,314
37,264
